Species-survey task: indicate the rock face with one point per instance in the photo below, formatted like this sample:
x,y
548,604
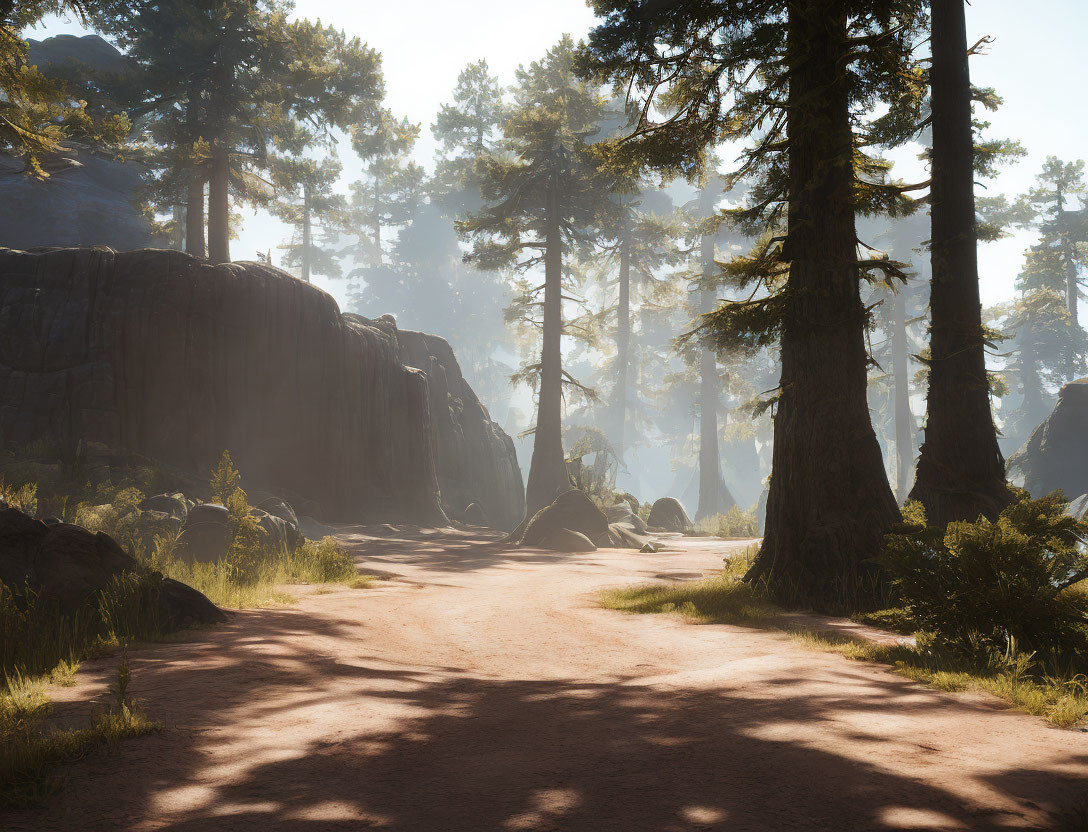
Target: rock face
x,y
668,514
1056,454
158,353
475,459
65,565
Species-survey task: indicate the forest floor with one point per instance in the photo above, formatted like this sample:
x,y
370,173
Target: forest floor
x,y
483,689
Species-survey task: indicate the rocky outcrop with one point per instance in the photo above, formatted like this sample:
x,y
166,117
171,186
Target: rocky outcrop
x,y
64,567
158,353
1056,454
475,459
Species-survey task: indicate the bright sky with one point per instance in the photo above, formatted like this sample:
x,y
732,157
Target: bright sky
x,y
1036,63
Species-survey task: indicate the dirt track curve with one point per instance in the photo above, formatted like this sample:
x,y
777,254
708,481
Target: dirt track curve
x,y
482,690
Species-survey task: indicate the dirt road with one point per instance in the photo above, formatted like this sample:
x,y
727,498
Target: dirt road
x,y
482,690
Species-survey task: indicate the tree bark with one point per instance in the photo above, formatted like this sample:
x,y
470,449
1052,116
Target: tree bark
x,y
961,473
904,419
548,469
710,464
623,345
1072,290
194,198
307,232
830,503
219,204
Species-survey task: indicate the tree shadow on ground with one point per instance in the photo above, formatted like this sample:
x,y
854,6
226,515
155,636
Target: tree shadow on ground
x,y
465,753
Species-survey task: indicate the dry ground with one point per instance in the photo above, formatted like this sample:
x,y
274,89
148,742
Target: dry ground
x,y
481,689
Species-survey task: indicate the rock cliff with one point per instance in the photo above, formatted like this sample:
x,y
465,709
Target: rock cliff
x,y
1056,454
161,354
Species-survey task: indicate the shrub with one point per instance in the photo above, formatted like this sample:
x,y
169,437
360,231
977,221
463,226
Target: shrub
x,y
247,550
225,479
734,523
323,562
1001,586
23,497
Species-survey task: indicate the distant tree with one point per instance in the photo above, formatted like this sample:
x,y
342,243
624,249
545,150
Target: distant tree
x,y
1058,260
306,200
543,194
392,190
467,129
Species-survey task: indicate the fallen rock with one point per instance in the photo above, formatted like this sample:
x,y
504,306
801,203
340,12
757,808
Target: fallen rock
x,y
621,513
572,510
650,548
668,514
1056,455
275,529
173,504
565,540
65,565
624,536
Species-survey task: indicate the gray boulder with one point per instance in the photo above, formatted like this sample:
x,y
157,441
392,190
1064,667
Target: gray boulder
x,y
65,566
173,504
668,514
282,509
275,529
621,513
1056,455
565,540
571,510
206,535
474,515
624,536
314,530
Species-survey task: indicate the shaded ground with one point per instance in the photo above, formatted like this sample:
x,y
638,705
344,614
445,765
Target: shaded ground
x,y
483,690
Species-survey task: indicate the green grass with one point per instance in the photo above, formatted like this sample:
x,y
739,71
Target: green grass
x,y
726,599
321,562
31,752
734,523
1061,702
720,599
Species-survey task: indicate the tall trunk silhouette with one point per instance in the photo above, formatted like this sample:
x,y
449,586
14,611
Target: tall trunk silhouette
x,y
548,469
961,473
829,504
623,344
904,419
194,197
710,465
307,232
219,204
1072,290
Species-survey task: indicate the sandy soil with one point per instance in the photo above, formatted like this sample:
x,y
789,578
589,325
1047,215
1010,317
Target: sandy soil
x,y
481,689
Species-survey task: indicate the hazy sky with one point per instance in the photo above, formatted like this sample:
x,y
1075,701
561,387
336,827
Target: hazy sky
x,y
1036,63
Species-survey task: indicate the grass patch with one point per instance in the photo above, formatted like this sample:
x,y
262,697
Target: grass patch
x,y
30,753
1061,702
734,523
720,599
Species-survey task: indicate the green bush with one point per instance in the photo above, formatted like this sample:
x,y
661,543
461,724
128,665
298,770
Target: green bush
x,y
1004,586
247,551
734,523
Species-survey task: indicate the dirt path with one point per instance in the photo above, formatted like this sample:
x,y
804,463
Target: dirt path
x,y
483,690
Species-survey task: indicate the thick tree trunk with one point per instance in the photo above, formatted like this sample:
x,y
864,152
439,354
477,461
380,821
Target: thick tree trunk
x,y
710,465
904,419
829,504
623,346
961,473
548,469
219,204
307,232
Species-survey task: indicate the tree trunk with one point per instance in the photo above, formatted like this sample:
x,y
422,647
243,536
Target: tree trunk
x,y
1033,407
307,232
194,218
710,465
904,419
961,473
829,504
177,236
548,469
194,198
623,345
1072,291
219,204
